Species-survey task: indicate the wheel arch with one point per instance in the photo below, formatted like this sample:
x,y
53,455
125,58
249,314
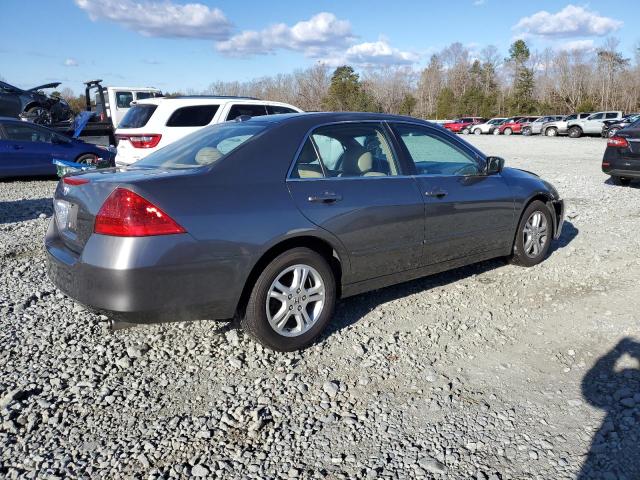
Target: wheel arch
x,y
31,104
331,253
545,198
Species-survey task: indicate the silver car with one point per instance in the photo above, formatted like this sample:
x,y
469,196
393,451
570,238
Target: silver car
x,y
560,127
535,127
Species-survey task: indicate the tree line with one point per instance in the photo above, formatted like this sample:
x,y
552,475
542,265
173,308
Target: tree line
x,y
456,83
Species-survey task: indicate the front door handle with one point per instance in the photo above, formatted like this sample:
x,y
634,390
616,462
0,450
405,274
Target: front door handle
x,y
18,147
436,194
325,197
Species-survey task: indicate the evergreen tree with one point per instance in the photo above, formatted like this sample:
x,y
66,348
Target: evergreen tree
x,y
346,93
521,100
446,104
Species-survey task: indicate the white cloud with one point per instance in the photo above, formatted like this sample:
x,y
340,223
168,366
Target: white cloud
x,y
322,33
70,62
578,45
160,18
571,21
478,3
370,54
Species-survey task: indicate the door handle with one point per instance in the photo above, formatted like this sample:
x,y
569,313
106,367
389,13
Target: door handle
x,y
326,197
436,194
18,147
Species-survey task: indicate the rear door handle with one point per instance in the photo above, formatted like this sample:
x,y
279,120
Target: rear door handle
x,y
325,197
436,194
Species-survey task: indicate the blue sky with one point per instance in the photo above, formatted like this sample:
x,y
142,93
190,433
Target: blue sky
x,y
181,44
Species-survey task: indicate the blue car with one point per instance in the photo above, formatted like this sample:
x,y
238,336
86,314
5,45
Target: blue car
x,y
27,149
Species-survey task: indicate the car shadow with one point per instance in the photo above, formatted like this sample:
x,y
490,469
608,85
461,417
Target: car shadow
x,y
635,183
569,232
615,448
350,310
20,210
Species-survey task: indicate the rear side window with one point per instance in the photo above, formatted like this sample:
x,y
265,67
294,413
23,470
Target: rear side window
x,y
249,110
143,95
612,115
137,116
275,109
195,116
124,99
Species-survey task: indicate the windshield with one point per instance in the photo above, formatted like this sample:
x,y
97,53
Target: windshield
x,y
201,148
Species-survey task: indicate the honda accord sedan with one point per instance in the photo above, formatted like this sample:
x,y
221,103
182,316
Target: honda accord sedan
x,y
273,219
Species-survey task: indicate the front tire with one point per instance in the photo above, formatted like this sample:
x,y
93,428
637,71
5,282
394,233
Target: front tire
x,y
612,133
575,132
533,237
551,132
507,131
465,131
477,131
526,132
87,159
292,301
496,132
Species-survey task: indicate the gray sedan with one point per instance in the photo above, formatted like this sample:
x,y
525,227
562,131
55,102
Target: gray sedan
x,y
272,219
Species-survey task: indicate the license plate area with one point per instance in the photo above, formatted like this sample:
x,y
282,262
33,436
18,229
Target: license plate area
x,y
66,217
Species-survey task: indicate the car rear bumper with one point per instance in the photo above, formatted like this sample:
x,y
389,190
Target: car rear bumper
x,y
145,279
619,163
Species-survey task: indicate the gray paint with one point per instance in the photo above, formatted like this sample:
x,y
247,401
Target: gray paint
x,y
384,229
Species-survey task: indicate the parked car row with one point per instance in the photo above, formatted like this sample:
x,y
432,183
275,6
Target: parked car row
x,y
606,124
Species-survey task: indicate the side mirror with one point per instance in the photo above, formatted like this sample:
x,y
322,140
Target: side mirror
x,y
494,165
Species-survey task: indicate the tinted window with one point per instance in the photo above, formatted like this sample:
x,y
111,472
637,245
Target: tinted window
x,y
596,116
249,110
26,133
571,117
203,147
433,155
611,115
275,109
346,150
137,116
124,99
143,95
196,116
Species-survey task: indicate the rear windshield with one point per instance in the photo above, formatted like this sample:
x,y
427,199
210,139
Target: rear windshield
x,y
201,148
137,116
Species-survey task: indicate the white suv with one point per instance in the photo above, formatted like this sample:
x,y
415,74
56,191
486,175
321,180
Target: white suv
x,y
156,122
487,127
592,125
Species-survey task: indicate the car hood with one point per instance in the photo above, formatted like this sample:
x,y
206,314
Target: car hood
x,y
518,173
46,85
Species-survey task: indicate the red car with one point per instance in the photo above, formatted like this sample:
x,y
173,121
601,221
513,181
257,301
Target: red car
x,y
513,125
463,124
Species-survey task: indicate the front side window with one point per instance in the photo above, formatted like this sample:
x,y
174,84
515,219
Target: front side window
x,y
26,133
194,116
239,110
124,99
346,150
433,155
203,147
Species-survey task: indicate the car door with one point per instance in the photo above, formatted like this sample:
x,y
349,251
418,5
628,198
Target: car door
x,y
466,211
593,124
348,180
28,149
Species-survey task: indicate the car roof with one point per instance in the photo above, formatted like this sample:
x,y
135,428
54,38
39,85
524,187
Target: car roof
x,y
319,118
204,100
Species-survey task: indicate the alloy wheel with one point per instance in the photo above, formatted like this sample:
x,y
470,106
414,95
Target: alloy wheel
x,y
535,234
295,300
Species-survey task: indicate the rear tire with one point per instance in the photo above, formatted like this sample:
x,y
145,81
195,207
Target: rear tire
x,y
496,132
534,235
507,131
575,132
622,181
551,132
612,132
87,159
277,298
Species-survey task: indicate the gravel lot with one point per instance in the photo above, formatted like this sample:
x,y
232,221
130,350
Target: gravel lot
x,y
486,372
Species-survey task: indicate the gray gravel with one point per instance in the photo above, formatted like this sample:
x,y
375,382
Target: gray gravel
x,y
476,373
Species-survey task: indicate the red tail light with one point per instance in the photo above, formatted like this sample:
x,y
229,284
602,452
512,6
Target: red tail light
x,y
74,180
618,142
127,214
150,140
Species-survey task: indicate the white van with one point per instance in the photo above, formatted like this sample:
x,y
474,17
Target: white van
x,y
156,122
118,100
